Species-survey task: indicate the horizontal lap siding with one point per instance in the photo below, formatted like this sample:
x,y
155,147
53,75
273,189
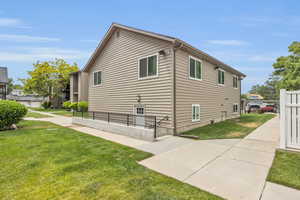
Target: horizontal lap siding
x,y
206,92
119,65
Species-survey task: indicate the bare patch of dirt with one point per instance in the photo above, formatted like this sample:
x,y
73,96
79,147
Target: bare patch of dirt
x,y
235,134
250,124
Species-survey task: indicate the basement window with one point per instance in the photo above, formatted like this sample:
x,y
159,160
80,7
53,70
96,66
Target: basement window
x,y
235,108
195,112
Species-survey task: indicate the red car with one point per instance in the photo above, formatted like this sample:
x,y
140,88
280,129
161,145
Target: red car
x,y
268,108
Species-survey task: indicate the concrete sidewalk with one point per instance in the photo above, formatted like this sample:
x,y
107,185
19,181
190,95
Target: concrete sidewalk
x,y
233,169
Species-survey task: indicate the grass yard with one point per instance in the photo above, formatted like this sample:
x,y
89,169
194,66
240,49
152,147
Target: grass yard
x,y
62,112
231,128
36,115
45,161
285,169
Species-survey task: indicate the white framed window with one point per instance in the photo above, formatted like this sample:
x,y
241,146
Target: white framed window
x,y
221,77
195,112
148,67
97,78
195,68
235,81
235,108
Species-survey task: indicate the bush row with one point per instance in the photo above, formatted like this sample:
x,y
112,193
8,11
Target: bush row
x,y
80,106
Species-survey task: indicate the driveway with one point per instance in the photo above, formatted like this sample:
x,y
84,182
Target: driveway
x,y
232,168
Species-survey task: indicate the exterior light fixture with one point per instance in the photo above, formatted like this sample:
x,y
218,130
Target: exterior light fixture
x,y
138,98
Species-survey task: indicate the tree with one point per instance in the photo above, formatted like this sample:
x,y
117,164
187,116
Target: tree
x,y
11,85
287,68
269,90
49,78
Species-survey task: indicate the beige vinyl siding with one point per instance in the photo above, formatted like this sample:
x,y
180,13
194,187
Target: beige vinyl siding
x,y
211,97
83,84
120,85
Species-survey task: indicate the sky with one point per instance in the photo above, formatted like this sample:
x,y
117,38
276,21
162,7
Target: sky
x,y
248,35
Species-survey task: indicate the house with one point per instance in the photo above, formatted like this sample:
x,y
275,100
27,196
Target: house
x,y
133,71
3,82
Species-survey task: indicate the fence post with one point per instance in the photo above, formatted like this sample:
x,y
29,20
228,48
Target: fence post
x,y
127,119
282,119
82,114
108,117
93,115
154,127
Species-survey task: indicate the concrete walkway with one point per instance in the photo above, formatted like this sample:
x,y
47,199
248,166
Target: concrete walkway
x,y
233,169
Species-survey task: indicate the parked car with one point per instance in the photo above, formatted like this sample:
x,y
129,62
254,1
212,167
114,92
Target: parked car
x,y
268,108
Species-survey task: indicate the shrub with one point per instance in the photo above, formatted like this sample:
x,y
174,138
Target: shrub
x,y
74,106
83,106
11,112
67,104
46,104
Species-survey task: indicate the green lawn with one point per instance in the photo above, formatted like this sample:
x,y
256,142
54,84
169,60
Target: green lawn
x,y
45,161
232,128
36,115
62,112
286,169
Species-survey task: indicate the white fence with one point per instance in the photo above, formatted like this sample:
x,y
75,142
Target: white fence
x,y
289,119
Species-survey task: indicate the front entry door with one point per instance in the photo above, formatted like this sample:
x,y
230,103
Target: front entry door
x,y
139,115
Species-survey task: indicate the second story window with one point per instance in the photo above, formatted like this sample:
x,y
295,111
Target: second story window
x,y
235,81
148,67
195,68
221,77
97,78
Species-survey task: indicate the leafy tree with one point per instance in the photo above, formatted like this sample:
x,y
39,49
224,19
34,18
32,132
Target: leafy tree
x,y
11,85
269,90
287,68
49,78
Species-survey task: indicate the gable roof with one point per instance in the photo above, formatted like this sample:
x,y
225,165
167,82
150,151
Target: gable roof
x,y
3,75
179,43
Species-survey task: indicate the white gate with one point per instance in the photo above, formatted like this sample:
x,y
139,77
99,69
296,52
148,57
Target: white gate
x,y
289,119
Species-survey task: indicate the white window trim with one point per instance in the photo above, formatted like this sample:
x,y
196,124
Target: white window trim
x,y
237,105
237,82
148,77
94,79
222,70
196,105
189,68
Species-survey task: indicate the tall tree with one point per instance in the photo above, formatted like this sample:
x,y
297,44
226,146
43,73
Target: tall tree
x,y
269,90
288,68
49,78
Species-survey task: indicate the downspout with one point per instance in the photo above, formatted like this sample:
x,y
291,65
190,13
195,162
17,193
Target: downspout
x,y
177,45
174,91
241,96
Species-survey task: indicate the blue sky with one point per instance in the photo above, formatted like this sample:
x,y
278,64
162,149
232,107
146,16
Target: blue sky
x,y
248,35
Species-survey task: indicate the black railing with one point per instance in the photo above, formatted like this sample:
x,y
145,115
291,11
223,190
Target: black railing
x,y
120,118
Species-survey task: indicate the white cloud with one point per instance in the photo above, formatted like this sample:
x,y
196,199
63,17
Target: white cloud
x,y
228,42
12,22
40,53
228,56
26,38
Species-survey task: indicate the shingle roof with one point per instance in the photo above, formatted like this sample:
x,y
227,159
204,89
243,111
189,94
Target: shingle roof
x,y
174,40
3,75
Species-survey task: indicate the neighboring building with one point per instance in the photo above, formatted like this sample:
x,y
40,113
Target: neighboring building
x,y
254,99
30,100
134,71
3,82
